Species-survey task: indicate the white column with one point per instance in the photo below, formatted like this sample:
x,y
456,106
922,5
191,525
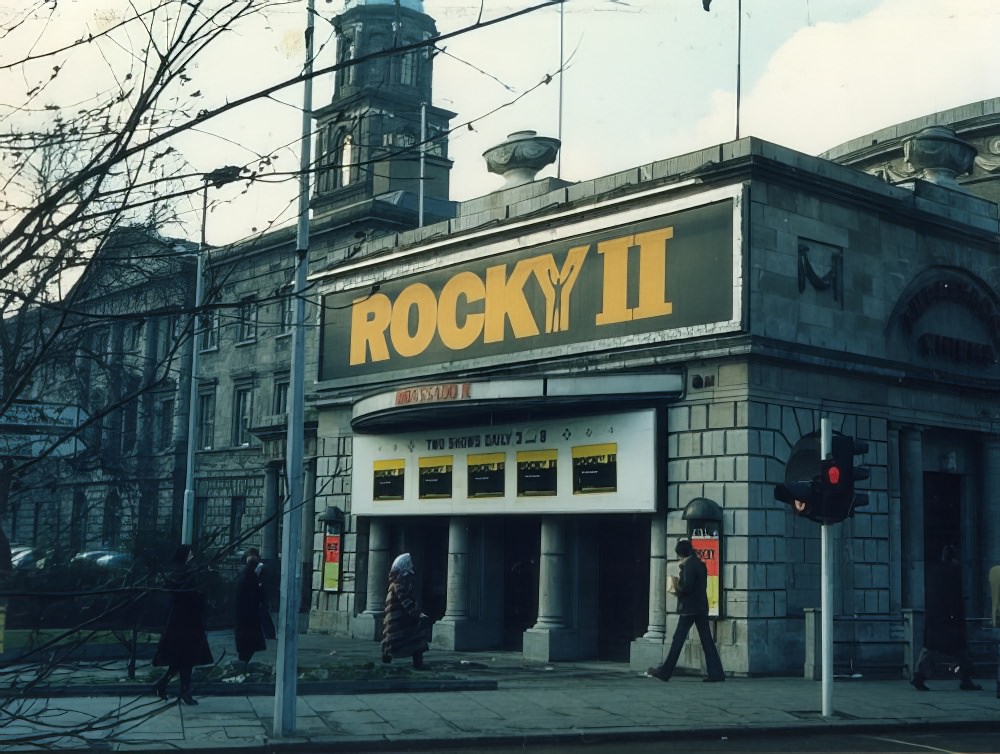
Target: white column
x,y
657,629
551,575
457,608
378,566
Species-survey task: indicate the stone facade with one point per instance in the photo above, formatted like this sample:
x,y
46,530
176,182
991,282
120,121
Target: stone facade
x,y
847,312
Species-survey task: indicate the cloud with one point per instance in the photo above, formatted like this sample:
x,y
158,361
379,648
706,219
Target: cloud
x,y
832,82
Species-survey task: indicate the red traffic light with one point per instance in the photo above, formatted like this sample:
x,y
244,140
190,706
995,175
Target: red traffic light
x,y
833,475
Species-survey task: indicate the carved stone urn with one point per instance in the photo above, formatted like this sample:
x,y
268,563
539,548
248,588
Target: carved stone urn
x,y
939,155
521,156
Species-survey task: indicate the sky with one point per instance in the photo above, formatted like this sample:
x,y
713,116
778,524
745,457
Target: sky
x,y
643,80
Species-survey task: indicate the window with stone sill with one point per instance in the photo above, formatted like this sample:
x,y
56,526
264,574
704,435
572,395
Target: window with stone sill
x,y
208,337
206,420
247,321
242,416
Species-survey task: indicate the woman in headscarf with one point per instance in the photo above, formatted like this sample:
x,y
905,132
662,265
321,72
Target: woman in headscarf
x,y
402,632
184,642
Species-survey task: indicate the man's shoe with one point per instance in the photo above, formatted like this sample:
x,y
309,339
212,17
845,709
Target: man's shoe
x,y
188,699
918,684
658,674
713,680
968,685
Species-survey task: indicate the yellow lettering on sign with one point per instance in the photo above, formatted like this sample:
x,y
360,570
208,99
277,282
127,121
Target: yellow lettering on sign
x,y
420,297
455,336
557,286
369,319
652,277
476,308
505,301
653,274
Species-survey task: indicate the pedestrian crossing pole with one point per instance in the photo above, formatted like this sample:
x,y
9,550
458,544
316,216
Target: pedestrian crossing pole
x,y
286,681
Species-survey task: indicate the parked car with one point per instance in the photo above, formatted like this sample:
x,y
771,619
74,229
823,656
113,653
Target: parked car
x,y
103,559
25,557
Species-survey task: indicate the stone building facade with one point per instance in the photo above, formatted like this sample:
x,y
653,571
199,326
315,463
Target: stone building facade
x,y
776,289
538,391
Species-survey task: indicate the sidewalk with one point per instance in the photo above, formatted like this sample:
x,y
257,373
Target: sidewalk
x,y
468,700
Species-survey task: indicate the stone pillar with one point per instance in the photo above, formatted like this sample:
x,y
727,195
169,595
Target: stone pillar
x,y
657,629
543,641
269,534
552,575
368,625
649,649
989,520
308,541
911,503
453,630
895,525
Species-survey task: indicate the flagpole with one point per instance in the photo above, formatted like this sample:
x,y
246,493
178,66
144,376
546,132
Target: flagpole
x,y
739,59
562,35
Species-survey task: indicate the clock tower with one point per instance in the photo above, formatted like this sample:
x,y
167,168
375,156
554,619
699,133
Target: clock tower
x,y
380,122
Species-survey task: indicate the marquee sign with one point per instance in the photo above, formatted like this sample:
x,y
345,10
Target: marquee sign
x,y
667,276
571,465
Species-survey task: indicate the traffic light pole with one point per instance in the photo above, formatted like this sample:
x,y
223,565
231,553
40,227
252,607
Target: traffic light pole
x,y
826,588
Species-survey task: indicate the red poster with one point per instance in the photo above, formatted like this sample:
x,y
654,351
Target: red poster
x,y
708,550
331,563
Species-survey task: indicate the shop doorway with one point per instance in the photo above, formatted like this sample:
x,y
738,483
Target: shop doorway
x,y
623,586
522,537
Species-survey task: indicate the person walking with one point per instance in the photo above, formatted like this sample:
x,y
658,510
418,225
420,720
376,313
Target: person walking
x,y
184,642
944,623
250,629
691,588
403,626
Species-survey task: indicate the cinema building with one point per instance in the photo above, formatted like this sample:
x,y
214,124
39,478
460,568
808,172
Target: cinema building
x,y
538,397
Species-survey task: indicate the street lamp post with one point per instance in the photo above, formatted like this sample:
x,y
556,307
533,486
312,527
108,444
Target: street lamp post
x,y
218,177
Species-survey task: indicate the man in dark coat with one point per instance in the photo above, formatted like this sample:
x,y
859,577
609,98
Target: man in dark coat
x,y
691,588
944,623
251,612
183,643
403,633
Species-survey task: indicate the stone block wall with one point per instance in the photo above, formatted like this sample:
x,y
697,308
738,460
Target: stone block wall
x,y
733,450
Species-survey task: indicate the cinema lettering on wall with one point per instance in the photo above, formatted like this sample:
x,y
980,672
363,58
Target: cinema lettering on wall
x,y
666,274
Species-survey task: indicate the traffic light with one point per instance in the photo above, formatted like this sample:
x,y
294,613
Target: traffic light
x,y
840,476
830,497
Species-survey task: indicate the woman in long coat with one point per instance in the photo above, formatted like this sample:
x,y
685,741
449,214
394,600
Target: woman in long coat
x,y
403,634
183,643
251,606
944,623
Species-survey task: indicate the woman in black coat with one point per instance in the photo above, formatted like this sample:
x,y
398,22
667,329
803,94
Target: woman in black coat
x,y
403,633
944,623
251,609
183,643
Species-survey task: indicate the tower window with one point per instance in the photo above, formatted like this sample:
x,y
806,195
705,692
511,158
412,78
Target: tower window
x,y
408,68
346,160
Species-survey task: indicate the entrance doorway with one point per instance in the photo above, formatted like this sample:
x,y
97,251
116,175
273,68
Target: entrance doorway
x,y
942,514
623,586
520,589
